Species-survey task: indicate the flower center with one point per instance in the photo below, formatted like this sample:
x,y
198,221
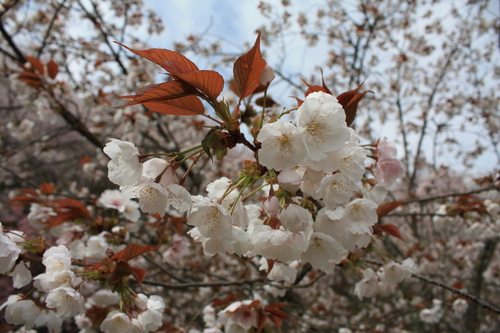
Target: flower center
x,y
285,141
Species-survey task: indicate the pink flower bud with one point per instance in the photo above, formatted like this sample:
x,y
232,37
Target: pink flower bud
x,y
272,205
267,75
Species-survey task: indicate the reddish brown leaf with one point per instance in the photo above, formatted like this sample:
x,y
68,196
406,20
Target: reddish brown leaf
x,y
276,312
122,270
92,263
47,188
313,88
261,320
458,285
179,223
323,83
75,206
270,264
36,64
247,70
52,69
276,305
349,101
209,83
139,274
68,210
59,219
277,321
30,191
164,58
132,251
299,101
254,304
31,79
234,87
173,97
388,207
390,229
22,200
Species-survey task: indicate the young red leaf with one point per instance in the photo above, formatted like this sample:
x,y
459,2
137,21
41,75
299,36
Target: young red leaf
x,y
277,305
52,69
75,206
30,191
36,64
247,70
313,88
139,274
390,229
277,321
132,251
209,83
261,320
22,200
30,78
388,207
277,312
59,219
92,263
173,97
349,101
163,58
122,270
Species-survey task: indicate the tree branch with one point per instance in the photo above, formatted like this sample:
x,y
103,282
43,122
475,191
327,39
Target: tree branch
x,y
462,293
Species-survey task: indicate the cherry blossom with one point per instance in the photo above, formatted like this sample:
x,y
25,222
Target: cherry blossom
x,y
323,248
282,146
212,220
124,167
20,311
9,252
321,120
67,301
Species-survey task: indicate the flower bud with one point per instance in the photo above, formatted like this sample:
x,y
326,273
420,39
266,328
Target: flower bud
x,y
272,205
267,75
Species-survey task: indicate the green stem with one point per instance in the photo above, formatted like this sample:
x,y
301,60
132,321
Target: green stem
x,y
263,108
255,191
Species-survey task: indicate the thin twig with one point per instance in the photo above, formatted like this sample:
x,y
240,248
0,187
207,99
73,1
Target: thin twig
x,y
445,196
203,284
462,293
47,33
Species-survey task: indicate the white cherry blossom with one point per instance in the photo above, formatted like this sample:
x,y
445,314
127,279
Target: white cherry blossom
x,y
115,199
57,259
277,244
295,218
321,119
155,195
116,322
337,189
20,311
212,220
21,275
323,248
368,286
124,167
9,252
67,301
282,146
